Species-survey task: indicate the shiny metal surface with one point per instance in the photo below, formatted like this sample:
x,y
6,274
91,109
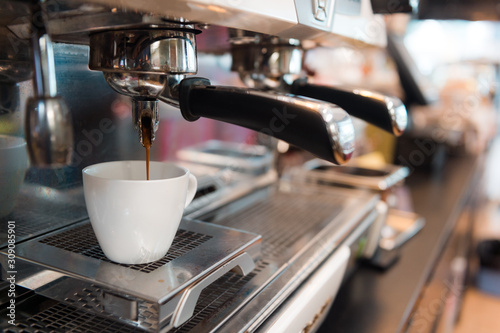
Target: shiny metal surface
x,y
271,16
263,61
398,114
133,85
145,114
37,314
392,228
143,63
41,315
144,51
285,18
164,293
48,131
41,209
291,249
341,131
170,92
301,226
48,122
45,72
101,133
229,186
337,122
396,109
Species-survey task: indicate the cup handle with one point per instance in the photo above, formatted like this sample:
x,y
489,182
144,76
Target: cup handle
x,y
191,191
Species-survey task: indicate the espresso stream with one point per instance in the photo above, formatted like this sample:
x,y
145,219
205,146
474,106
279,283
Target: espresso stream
x,y
146,140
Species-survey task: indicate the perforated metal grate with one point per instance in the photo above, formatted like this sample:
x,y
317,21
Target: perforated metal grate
x,y
82,240
88,299
285,218
64,318
34,216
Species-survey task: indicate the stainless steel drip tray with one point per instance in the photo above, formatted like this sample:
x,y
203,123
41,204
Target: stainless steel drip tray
x,y
301,226
40,209
69,266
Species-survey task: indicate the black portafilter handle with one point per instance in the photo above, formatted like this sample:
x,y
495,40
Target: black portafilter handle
x,y
387,113
323,129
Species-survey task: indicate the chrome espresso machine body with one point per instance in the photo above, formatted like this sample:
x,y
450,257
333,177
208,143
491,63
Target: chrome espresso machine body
x,y
253,252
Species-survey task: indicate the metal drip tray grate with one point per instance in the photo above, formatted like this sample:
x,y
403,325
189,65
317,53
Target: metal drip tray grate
x,y
40,210
156,296
286,218
300,227
82,240
63,318
59,317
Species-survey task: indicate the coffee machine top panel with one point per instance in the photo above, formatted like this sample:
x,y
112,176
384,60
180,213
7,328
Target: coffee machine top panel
x,y
323,21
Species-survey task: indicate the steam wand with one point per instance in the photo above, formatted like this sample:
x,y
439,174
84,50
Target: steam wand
x,y
48,126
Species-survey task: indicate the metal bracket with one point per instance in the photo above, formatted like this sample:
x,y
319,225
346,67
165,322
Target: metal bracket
x,y
243,264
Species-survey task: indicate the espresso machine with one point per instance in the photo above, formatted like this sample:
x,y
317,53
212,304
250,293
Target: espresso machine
x,y
253,252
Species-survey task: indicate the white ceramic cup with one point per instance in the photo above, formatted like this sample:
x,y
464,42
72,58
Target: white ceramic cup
x,y
134,219
13,166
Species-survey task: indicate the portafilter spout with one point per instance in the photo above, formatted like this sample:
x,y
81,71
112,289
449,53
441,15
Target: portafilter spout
x,y
147,65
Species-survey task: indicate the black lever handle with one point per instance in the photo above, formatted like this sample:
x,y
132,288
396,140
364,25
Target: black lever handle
x,y
387,113
321,128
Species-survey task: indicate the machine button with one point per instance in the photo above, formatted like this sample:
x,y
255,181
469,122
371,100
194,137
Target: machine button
x,y
320,14
319,9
